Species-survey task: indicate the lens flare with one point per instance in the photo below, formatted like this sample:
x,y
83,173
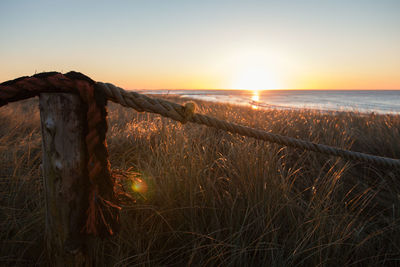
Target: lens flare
x,y
139,186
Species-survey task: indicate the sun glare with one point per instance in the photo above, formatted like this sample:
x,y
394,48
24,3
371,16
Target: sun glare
x,y
255,79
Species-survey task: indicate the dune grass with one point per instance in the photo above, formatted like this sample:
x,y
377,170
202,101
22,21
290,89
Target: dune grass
x,y
205,197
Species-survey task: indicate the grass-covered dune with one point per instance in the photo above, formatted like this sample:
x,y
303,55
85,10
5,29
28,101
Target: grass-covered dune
x,y
203,197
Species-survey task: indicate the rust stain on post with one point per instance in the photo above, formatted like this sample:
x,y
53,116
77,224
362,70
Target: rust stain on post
x,y
65,177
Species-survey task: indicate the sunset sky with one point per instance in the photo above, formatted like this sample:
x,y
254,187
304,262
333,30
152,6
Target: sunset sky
x,y
169,44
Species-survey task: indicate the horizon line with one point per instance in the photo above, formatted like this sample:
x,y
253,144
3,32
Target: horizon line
x,y
288,89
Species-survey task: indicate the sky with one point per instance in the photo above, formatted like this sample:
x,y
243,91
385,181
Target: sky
x,y
170,44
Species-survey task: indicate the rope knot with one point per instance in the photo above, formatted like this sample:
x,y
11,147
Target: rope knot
x,y
188,111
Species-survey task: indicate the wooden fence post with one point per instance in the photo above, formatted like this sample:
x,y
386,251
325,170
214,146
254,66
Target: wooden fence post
x,y
65,178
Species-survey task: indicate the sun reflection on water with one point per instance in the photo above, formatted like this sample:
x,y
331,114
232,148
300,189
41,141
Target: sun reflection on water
x,y
255,98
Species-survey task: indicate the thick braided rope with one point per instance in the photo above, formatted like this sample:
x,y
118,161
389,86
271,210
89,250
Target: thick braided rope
x,y
102,214
180,113
101,217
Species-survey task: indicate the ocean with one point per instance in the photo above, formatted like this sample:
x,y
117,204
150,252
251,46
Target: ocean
x,y
364,101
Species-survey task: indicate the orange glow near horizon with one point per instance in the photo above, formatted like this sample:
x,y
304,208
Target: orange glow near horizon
x,y
254,80
245,67
248,78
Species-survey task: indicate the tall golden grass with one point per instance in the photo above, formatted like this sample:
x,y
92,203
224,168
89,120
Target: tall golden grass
x,y
203,197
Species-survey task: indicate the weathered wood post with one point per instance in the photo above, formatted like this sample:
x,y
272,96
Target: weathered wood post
x,y
65,180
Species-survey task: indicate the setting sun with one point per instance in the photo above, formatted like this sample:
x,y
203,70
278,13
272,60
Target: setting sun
x,y
255,79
